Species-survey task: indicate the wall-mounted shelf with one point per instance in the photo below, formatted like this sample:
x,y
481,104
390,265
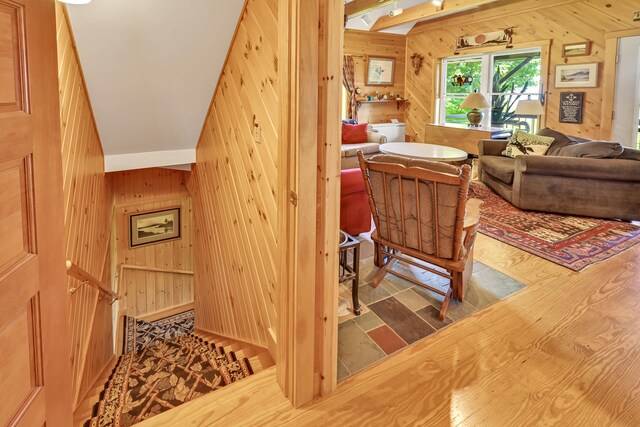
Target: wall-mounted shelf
x,y
398,102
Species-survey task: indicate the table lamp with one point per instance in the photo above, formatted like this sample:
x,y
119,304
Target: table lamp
x,y
529,107
475,101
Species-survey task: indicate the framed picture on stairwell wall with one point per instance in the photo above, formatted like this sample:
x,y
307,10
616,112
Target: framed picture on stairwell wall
x,y
158,226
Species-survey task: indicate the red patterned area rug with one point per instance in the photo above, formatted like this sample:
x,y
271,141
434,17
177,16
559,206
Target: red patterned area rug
x,y
573,242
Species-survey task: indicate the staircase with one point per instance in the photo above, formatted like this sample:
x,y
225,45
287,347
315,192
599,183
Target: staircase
x,y
195,359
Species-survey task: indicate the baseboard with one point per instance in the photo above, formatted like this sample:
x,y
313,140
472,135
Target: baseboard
x,y
271,342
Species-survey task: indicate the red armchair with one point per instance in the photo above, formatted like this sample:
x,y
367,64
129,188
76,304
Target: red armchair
x,y
355,215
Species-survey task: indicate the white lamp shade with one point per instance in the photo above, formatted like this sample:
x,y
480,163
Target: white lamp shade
x,y
475,100
529,107
75,1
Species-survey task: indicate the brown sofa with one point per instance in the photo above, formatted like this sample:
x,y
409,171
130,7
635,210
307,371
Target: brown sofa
x,y
603,188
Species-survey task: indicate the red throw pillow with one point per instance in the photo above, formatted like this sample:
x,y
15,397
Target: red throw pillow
x,y
354,134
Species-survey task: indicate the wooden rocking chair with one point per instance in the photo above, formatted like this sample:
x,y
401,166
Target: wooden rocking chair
x,y
420,209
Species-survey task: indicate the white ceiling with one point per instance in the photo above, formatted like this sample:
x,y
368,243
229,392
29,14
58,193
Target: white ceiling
x,y
356,23
151,67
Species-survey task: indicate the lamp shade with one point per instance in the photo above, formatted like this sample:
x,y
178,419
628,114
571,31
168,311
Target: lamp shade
x,y
529,107
475,100
75,1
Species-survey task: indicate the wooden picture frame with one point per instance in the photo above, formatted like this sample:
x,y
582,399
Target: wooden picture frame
x,y
380,71
577,75
576,49
146,228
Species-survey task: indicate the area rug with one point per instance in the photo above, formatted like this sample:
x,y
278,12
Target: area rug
x,y
163,376
139,334
570,241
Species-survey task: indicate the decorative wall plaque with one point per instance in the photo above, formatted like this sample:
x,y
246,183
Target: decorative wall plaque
x,y
571,107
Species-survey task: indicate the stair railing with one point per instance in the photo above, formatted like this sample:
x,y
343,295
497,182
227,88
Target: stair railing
x,y
85,278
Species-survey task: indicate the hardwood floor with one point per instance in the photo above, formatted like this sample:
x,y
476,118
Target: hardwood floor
x,y
565,351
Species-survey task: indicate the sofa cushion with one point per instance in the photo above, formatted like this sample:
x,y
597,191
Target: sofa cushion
x,y
630,154
349,150
523,144
560,140
501,168
354,134
592,150
351,181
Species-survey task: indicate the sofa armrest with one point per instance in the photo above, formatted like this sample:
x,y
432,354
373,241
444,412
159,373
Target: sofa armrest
x,y
576,167
492,147
376,137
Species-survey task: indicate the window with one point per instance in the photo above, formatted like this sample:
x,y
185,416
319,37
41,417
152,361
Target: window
x,y
504,78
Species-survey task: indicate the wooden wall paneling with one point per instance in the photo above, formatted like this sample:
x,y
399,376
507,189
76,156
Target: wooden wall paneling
x,y
88,207
534,21
361,45
145,291
234,186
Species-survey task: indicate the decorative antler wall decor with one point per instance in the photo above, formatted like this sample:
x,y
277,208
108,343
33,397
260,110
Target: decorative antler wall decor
x,y
416,62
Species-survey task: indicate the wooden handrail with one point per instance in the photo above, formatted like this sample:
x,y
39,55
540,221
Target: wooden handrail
x,y
154,269
78,273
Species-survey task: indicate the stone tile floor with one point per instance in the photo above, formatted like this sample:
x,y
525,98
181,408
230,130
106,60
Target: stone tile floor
x,y
397,313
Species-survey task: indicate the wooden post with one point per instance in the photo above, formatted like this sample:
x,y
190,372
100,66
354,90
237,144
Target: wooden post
x,y
309,76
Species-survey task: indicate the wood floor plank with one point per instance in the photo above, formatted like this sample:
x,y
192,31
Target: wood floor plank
x,y
563,351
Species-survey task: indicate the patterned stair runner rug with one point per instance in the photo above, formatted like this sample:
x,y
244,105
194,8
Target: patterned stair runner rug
x,y
161,377
139,334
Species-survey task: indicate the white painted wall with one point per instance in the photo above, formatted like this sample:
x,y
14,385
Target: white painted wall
x,y
151,67
627,98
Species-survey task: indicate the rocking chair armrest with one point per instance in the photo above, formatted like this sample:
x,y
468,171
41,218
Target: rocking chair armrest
x,y
472,217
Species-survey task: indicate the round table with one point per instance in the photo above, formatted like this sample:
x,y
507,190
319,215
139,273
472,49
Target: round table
x,y
415,150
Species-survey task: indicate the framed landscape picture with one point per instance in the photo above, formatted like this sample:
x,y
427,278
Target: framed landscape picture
x,y
576,49
380,71
153,227
578,75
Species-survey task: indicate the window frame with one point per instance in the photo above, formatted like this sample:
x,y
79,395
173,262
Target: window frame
x,y
487,60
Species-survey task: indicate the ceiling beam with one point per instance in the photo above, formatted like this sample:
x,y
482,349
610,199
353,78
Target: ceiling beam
x,y
427,11
359,7
497,11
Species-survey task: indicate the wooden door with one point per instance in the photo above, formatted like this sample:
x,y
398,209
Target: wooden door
x,y
34,344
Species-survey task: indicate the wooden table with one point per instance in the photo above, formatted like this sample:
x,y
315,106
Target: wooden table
x,y
415,150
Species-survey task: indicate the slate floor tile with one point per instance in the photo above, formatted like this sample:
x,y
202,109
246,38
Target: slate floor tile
x,y
355,348
404,322
386,339
343,372
497,283
411,299
368,321
368,294
431,315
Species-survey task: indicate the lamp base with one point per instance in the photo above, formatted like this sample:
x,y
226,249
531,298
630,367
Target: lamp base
x,y
475,117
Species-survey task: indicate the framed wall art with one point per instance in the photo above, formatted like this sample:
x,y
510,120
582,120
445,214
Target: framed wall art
x,y
571,107
154,227
380,71
576,49
577,75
